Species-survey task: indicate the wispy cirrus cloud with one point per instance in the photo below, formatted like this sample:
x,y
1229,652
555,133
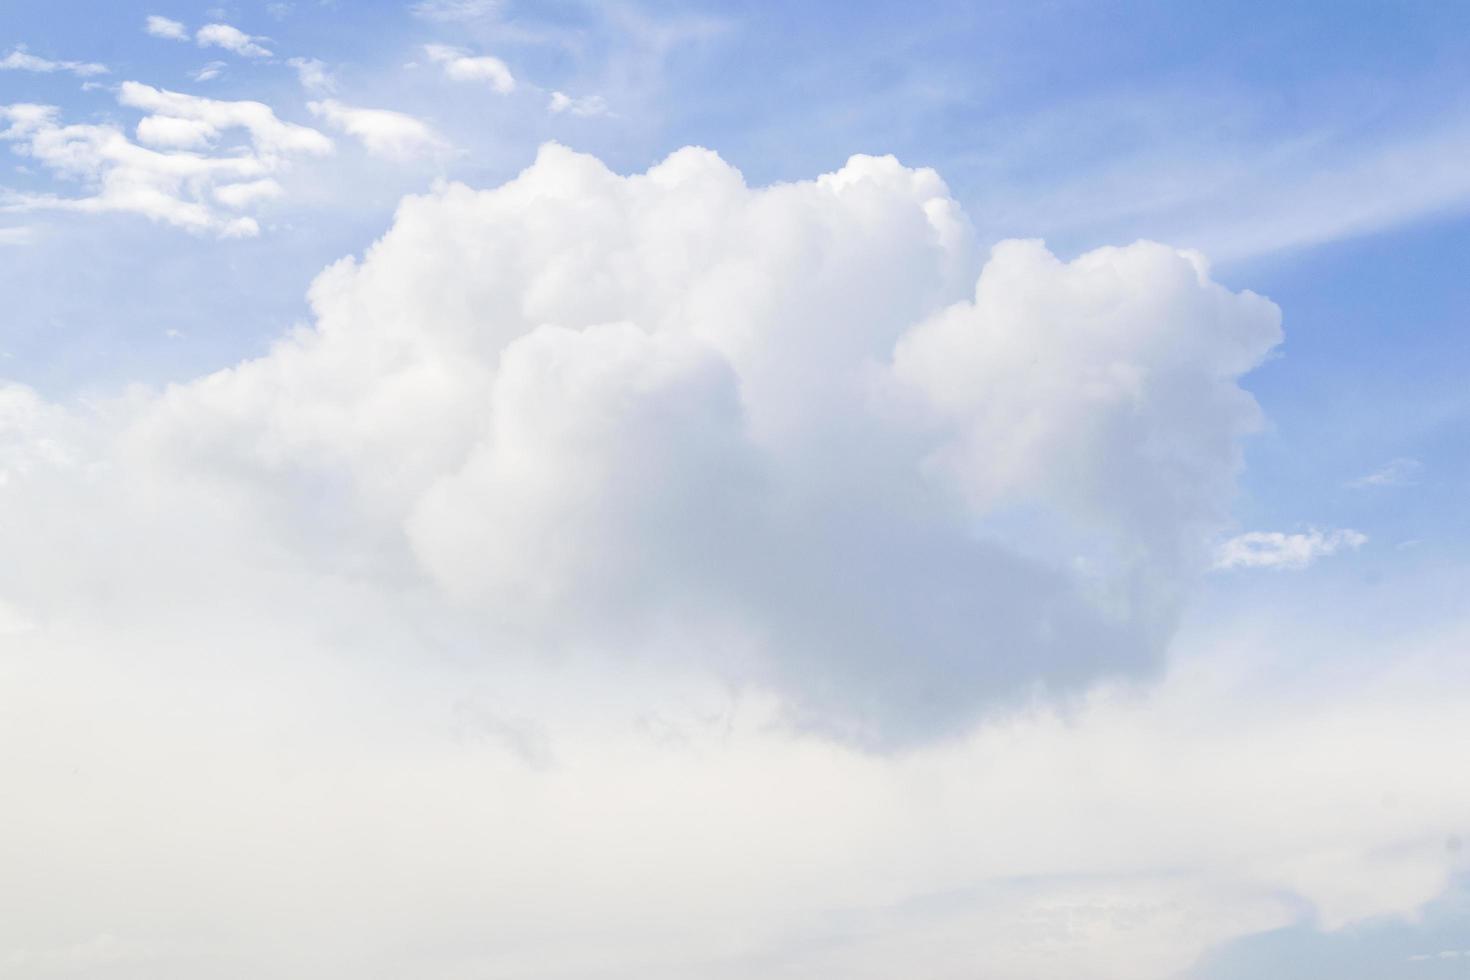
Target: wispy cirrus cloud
x,y
21,59
1401,472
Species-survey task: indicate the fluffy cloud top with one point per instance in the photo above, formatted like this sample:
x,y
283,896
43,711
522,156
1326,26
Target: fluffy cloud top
x,y
174,184
463,67
1277,549
781,430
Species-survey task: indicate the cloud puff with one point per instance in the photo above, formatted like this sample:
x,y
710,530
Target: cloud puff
x,y
169,30
385,133
231,39
176,187
313,74
1276,549
22,60
587,105
783,424
463,67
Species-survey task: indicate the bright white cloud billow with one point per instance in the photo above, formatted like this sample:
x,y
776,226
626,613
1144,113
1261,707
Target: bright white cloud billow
x,y
1277,549
749,581
576,409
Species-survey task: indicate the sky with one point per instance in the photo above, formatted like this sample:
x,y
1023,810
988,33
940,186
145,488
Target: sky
x,y
732,490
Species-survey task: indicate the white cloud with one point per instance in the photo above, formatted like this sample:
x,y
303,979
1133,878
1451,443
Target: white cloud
x,y
1276,549
15,235
270,135
1401,472
169,131
313,74
463,67
247,193
385,133
988,430
22,60
174,187
587,105
169,30
502,591
209,72
455,10
231,39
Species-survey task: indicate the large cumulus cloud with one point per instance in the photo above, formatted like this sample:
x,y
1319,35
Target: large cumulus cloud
x,y
481,627
783,432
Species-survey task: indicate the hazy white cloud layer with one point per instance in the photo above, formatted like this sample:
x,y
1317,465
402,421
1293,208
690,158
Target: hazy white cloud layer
x,y
661,577
174,173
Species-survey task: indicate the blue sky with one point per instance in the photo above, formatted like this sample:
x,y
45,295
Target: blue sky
x,y
739,442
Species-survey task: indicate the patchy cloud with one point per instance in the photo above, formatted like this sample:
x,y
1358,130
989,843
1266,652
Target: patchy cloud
x,y
1401,472
163,27
1277,549
586,105
455,10
22,60
313,74
231,39
384,133
464,67
209,72
162,176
